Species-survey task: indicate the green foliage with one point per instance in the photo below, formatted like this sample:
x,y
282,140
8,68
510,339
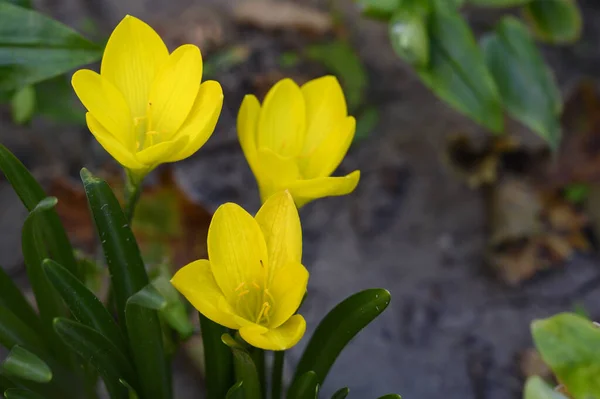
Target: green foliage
x,y
245,369
23,105
554,21
218,360
304,387
22,364
341,394
536,388
18,393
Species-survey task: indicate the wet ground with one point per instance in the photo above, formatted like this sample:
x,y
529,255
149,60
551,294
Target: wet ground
x,y
453,330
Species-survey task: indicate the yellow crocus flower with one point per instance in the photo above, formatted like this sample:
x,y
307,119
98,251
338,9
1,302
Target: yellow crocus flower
x,y
253,281
298,138
148,107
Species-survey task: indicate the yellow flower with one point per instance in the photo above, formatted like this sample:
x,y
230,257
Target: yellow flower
x,y
298,138
147,106
253,281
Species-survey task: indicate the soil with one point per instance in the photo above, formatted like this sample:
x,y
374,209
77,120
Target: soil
x,y
453,329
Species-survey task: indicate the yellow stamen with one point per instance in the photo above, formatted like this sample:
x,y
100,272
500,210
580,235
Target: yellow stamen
x,y
241,294
239,287
263,312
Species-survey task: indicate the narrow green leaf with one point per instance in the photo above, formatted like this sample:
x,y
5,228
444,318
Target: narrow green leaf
x,y
304,387
12,298
526,84
56,101
456,71
341,393
18,393
536,388
337,329
570,345
132,393
174,312
85,307
34,47
31,193
245,370
110,362
128,276
379,9
236,391
22,364
554,21
499,3
13,331
217,358
409,37
22,105
390,396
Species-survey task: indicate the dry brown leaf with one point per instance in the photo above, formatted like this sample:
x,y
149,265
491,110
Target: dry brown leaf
x,y
275,15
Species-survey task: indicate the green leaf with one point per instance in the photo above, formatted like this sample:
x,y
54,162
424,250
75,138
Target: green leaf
x,y
128,276
341,393
56,101
110,362
366,121
22,364
379,9
245,370
47,298
34,47
390,396
236,391
13,331
457,72
174,311
340,325
341,59
20,3
304,387
409,37
526,84
12,298
31,193
536,388
554,21
499,3
85,307
570,345
5,383
219,374
18,393
23,105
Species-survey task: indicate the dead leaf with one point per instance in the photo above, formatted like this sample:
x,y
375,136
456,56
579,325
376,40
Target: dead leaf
x,y
282,15
532,364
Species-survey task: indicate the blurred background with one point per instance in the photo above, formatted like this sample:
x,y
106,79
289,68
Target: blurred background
x,y
475,235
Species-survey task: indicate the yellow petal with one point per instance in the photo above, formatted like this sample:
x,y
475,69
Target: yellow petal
x,y
325,109
106,103
282,119
330,152
161,152
202,119
174,90
237,253
197,284
279,339
279,221
121,154
305,191
247,123
274,172
287,288
133,55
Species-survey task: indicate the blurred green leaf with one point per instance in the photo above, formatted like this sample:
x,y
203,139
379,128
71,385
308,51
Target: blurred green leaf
x,y
366,121
341,60
304,387
34,47
341,394
22,364
554,21
224,60
391,396
576,193
13,331
18,393
128,277
92,346
499,3
57,102
31,193
85,307
379,9
457,72
218,359
6,383
536,388
236,391
174,311
13,299
22,105
340,325
245,370
525,82
570,346
20,3
409,37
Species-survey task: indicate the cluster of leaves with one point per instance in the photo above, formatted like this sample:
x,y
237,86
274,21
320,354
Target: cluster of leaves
x,y
570,345
503,72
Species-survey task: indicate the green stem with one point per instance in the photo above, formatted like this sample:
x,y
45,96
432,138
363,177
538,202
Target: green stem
x,y
277,376
133,190
258,357
218,360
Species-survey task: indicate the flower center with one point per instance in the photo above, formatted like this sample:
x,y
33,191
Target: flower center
x,y
254,302
145,135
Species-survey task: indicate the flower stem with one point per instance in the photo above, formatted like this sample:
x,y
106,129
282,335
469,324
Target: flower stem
x,y
258,357
133,190
277,375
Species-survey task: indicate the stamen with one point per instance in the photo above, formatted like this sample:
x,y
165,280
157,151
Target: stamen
x,y
239,287
263,312
255,284
268,295
138,119
241,294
